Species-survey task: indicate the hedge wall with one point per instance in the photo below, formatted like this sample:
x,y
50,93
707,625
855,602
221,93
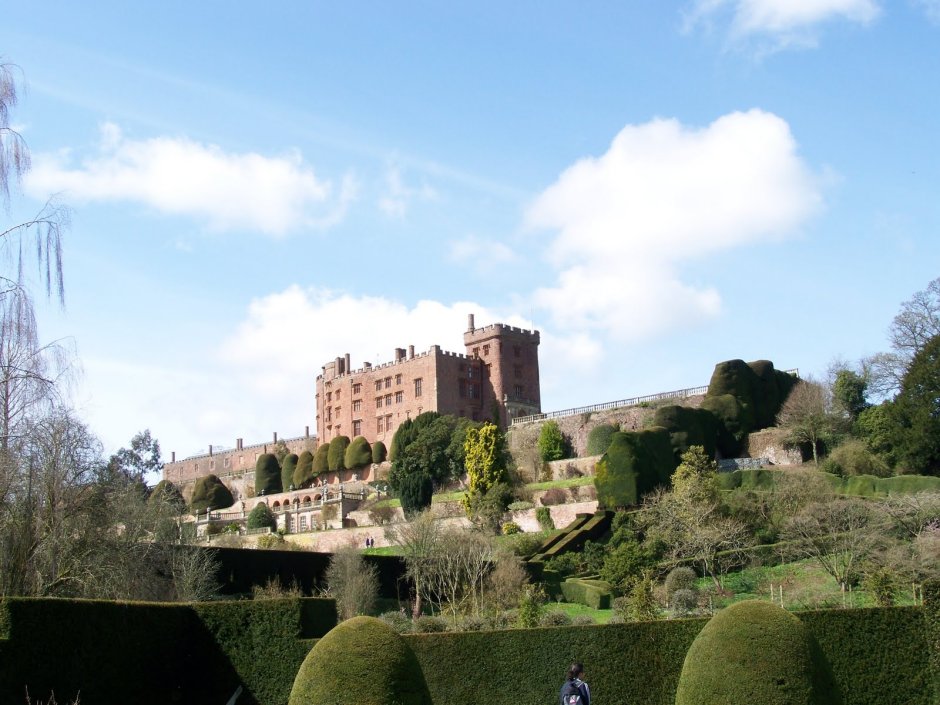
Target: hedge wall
x,y
142,653
859,485
593,593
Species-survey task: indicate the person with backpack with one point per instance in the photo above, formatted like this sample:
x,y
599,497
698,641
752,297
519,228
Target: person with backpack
x,y
574,691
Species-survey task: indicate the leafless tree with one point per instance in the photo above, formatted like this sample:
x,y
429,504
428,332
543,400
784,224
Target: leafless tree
x,y
807,415
418,540
352,583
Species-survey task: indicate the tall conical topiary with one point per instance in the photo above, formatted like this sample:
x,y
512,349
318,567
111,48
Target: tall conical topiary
x,y
337,453
379,452
321,459
358,454
362,661
267,474
755,652
303,473
288,466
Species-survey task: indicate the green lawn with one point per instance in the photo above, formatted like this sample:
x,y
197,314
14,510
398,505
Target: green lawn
x,y
573,609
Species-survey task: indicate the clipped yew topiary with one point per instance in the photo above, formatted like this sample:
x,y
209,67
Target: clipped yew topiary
x,y
379,452
288,466
362,661
321,459
635,463
166,491
688,427
267,474
755,652
358,454
303,473
599,438
209,493
336,455
261,517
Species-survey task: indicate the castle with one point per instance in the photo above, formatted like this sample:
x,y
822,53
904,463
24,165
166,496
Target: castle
x,y
496,379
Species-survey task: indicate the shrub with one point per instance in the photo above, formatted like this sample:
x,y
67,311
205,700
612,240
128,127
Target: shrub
x,y
531,606
321,459
582,620
555,618
358,454
472,623
551,442
591,593
260,517
635,463
543,515
415,492
303,473
623,564
362,661
854,458
399,621
681,578
165,491
754,652
336,455
553,496
382,514
882,583
352,582
524,545
684,601
210,493
275,542
379,452
509,528
599,439
429,624
288,468
267,474
519,506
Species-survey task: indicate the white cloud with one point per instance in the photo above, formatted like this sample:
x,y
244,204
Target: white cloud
x,y
246,191
397,196
624,224
931,9
786,22
472,249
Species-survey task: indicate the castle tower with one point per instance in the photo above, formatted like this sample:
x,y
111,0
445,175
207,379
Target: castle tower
x,y
510,358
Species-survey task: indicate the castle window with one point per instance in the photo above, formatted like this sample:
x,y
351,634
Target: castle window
x,y
388,400
517,370
380,425
226,462
339,410
378,402
399,397
486,350
418,387
337,393
518,390
398,380
357,388
388,423
211,464
462,387
357,428
303,522
516,351
462,367
357,404
329,396
378,385
329,413
476,352
388,382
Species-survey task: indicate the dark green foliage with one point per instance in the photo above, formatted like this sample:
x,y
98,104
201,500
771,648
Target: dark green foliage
x,y
165,491
626,562
415,492
931,596
599,438
916,412
260,517
593,593
543,515
363,661
848,391
755,652
379,452
303,473
688,427
267,475
193,653
321,459
336,456
876,427
854,458
551,442
432,444
209,493
358,454
635,463
745,397
860,486
288,468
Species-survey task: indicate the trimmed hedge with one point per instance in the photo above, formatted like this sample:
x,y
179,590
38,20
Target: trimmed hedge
x,y
288,467
363,661
210,493
358,454
191,653
379,452
593,593
598,440
858,485
635,463
755,652
303,473
688,427
321,459
267,475
336,455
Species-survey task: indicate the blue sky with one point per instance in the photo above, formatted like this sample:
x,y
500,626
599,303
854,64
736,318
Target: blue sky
x,y
654,186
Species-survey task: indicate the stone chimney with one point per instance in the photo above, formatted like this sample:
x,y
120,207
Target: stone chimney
x,y
173,457
348,367
411,352
470,326
275,436
210,450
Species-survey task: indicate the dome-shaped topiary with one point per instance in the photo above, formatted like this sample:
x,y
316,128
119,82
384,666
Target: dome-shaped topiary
x,y
267,474
362,661
210,493
755,652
